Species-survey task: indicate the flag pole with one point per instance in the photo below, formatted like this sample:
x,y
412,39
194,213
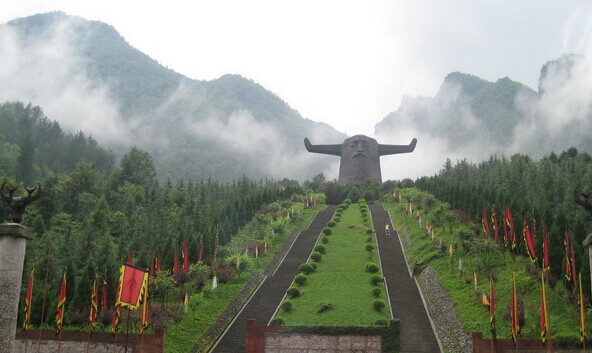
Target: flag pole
x,y
127,329
44,295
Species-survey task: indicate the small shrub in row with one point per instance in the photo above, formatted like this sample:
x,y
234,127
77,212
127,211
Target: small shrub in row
x,y
336,219
376,292
314,265
369,247
326,230
325,240
347,201
287,306
294,292
306,268
371,267
376,279
300,279
369,240
331,224
378,304
277,321
316,256
369,231
320,248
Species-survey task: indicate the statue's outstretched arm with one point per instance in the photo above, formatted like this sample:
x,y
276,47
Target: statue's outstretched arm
x,y
324,149
395,149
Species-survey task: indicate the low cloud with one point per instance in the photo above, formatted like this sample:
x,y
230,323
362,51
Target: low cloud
x,y
46,71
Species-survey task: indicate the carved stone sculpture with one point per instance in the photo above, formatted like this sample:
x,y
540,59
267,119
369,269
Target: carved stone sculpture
x,y
360,156
19,203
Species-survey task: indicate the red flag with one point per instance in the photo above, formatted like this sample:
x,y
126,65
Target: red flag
x,y
514,311
132,285
130,258
201,249
157,267
484,222
529,243
175,263
510,221
29,300
61,304
567,257
582,312
492,303
117,310
544,317
185,257
505,224
104,303
546,264
573,266
494,225
94,304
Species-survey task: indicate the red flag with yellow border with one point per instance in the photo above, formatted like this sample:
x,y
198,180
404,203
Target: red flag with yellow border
x,y
133,282
484,222
544,317
94,304
492,303
29,299
514,310
61,305
529,242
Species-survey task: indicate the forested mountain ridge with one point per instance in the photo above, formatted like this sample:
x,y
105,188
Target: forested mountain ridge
x,y
474,118
224,128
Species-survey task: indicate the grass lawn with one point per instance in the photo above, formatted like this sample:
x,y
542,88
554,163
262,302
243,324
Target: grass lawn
x,y
340,280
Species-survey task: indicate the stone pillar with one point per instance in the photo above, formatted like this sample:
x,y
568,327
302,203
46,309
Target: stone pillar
x,y
588,242
13,242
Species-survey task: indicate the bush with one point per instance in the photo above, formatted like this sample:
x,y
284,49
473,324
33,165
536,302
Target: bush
x,y
378,304
369,247
320,248
314,265
376,291
369,231
381,322
294,292
325,240
370,240
316,256
331,224
287,306
300,279
337,218
366,220
326,230
371,267
376,279
278,321
306,268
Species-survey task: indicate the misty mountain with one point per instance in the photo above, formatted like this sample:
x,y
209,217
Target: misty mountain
x,y
85,75
473,118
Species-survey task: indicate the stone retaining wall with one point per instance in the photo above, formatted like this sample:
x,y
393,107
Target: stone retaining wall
x,y
45,341
308,342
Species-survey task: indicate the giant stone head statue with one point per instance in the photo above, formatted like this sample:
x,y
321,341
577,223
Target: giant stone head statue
x,y
360,156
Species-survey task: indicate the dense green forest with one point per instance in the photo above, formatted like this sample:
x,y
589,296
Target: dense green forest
x,y
90,219
542,192
33,147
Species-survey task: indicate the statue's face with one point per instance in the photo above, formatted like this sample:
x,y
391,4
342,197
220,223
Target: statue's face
x,y
360,146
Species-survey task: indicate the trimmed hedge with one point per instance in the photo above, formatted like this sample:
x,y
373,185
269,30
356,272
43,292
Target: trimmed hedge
x,y
287,306
378,304
326,230
306,268
376,292
294,292
320,248
376,279
325,239
372,267
331,224
300,279
316,256
369,247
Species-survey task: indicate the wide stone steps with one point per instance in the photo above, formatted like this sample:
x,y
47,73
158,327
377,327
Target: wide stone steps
x,y
266,299
416,330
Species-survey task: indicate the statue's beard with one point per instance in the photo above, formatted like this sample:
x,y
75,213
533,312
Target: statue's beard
x,y
359,155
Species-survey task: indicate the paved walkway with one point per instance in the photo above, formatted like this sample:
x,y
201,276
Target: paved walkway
x,y
263,303
416,330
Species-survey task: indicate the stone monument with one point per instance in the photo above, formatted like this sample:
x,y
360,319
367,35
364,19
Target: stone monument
x,y
13,242
360,156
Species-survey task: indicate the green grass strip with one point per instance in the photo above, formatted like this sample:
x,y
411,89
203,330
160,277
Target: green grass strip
x,y
340,281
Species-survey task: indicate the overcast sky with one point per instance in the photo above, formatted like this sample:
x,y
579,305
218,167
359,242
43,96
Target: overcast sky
x,y
346,63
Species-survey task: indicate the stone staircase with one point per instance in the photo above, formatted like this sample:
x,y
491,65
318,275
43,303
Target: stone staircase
x,y
417,334
266,299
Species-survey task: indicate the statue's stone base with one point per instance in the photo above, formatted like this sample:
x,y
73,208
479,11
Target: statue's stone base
x,y
13,242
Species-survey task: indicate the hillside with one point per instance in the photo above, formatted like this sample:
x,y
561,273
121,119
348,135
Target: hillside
x,y
224,128
473,118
